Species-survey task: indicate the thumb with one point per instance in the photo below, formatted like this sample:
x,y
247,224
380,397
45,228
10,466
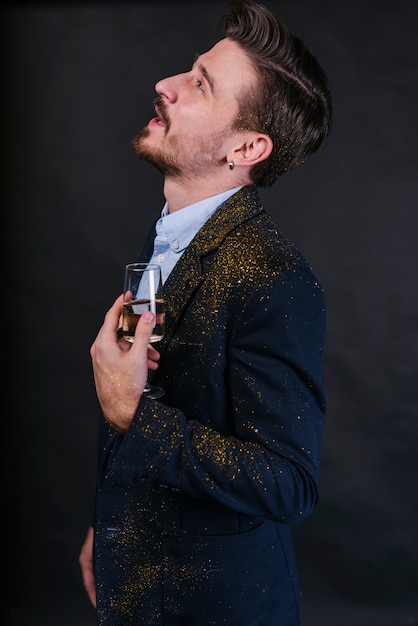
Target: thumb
x,y
144,330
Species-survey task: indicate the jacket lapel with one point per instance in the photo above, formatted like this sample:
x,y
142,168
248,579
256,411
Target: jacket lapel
x,y
196,260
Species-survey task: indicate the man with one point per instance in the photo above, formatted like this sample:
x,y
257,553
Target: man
x,y
198,490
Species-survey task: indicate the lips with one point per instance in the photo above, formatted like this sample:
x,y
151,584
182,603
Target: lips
x,y
161,112
159,120
156,121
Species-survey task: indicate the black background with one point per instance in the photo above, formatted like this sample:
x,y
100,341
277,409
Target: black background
x,y
78,83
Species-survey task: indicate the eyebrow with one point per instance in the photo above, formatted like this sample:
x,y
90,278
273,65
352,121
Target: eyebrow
x,y
202,69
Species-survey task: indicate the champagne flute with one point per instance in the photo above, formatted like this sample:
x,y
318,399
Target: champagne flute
x,y
141,293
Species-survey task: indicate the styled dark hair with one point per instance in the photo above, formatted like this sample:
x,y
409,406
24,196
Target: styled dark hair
x,y
292,102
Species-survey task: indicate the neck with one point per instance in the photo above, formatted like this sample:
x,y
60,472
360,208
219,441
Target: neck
x,y
180,193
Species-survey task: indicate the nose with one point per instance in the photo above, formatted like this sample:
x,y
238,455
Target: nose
x,y
167,88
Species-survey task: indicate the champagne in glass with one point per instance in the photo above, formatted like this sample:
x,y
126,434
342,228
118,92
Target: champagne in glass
x,y
132,311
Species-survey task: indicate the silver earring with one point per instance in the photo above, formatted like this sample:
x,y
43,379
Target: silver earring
x,y
231,165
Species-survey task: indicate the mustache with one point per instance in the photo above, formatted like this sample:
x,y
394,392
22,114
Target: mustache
x,y
161,110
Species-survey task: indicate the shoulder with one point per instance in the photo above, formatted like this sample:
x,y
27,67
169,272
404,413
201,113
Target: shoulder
x,y
259,243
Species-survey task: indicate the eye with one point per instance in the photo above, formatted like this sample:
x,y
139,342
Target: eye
x,y
197,71
199,84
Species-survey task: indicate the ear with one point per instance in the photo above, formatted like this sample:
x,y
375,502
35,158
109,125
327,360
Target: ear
x,y
256,147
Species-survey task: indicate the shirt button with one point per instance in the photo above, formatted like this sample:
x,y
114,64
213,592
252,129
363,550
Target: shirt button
x,y
176,245
160,258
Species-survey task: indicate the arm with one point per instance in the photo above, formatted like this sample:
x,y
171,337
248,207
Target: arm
x,y
120,372
270,466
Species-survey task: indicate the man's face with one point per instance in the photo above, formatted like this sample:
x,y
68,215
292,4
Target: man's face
x,y
196,110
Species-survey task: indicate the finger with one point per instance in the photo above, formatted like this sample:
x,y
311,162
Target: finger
x,y
152,365
111,321
113,316
110,324
153,353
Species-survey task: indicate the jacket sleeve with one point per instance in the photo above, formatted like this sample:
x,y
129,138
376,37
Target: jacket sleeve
x,y
269,466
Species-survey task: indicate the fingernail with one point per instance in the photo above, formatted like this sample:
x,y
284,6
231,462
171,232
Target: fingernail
x,y
148,317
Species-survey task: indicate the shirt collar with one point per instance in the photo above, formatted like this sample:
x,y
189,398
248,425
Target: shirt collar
x,y
180,227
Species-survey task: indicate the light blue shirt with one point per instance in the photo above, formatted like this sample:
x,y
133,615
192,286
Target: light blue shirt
x,y
176,230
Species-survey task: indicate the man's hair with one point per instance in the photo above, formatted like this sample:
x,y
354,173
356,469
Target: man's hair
x,y
292,102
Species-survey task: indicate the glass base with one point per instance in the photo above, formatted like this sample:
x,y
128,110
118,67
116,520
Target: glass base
x,y
153,392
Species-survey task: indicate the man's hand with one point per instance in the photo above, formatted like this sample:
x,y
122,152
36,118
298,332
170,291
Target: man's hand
x,y
120,368
86,563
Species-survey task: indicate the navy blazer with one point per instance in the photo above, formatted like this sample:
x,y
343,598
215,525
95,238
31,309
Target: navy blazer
x,y
196,501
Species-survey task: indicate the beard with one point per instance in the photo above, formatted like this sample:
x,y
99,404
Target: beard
x,y
182,157
156,157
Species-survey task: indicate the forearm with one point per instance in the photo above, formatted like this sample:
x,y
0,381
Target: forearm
x,y
163,449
